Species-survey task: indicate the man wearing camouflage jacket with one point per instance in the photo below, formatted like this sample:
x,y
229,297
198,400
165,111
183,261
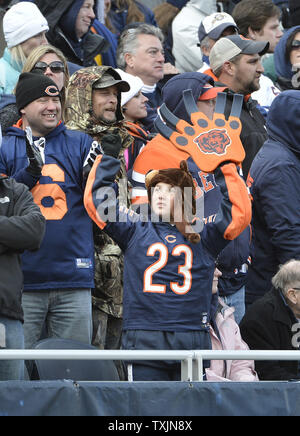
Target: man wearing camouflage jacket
x,y
94,106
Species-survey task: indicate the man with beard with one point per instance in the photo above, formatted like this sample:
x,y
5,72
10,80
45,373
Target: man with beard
x,y
93,105
236,62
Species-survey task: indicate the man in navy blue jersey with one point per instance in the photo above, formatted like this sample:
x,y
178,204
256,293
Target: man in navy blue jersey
x,y
58,278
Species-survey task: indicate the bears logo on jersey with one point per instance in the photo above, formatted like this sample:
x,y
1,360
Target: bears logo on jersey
x,y
215,141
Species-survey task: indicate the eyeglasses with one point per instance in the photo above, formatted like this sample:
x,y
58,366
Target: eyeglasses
x,y
296,289
295,45
55,67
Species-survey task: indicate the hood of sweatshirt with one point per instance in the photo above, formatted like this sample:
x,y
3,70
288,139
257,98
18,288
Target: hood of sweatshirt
x,y
283,66
172,92
68,19
283,119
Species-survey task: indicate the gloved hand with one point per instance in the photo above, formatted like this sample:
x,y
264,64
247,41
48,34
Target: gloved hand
x,y
95,150
112,143
34,155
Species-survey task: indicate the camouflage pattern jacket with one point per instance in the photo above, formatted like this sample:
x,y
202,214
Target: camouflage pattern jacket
x,y
108,292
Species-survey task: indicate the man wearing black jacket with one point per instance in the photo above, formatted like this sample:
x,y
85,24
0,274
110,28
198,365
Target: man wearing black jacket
x,y
22,228
70,22
273,323
236,63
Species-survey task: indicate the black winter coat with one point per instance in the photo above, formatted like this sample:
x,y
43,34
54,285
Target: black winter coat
x,y
22,227
78,52
253,134
267,325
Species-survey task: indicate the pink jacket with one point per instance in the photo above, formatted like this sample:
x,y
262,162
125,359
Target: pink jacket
x,y
235,370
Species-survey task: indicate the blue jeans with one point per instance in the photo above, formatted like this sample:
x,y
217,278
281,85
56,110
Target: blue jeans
x,y
61,313
237,300
12,338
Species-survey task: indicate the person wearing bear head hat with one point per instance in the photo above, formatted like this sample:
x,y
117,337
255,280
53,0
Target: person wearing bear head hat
x,y
167,292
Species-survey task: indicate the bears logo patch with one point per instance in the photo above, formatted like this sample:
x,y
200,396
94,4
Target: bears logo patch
x,y
52,91
215,141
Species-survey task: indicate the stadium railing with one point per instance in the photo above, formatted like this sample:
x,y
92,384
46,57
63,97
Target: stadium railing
x,y
191,361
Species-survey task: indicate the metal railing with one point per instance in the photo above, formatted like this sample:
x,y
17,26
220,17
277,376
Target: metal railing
x,y
191,361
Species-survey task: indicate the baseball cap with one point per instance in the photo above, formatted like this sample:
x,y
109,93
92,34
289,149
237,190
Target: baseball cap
x,y
214,25
230,46
111,78
136,85
209,92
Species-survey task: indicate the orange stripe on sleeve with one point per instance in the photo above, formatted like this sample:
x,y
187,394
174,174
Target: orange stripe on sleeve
x,y
241,211
88,195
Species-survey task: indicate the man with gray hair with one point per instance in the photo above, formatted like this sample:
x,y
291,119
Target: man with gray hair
x,y
141,53
273,323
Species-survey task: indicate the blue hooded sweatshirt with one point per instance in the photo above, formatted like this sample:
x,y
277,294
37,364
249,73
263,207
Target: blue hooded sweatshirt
x,y
283,66
237,252
67,25
274,180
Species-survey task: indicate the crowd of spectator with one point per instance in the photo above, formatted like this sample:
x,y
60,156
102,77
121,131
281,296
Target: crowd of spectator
x,y
98,101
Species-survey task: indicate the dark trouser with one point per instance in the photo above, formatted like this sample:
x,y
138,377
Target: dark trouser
x,y
107,332
160,340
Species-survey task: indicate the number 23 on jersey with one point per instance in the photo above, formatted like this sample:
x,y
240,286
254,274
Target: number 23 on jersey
x,y
183,270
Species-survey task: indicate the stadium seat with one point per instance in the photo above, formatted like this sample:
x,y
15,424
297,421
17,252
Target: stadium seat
x,y
79,370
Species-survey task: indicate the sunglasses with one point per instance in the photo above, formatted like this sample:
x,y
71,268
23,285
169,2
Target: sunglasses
x,y
55,67
295,44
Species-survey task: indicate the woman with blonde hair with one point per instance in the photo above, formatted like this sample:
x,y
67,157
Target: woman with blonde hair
x,y
24,29
47,60
50,61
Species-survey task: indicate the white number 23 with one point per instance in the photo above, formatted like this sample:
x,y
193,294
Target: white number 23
x,y
184,270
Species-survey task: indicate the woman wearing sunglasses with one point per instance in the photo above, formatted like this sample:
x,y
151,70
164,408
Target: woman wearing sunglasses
x,y
49,61
287,60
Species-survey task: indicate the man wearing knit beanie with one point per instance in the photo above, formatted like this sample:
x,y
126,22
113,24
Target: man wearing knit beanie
x,y
38,101
42,153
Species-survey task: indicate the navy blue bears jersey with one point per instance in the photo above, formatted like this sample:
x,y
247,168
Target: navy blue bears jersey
x,y
65,259
167,279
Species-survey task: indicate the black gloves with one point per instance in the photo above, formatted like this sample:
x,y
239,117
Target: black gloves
x,y
34,156
91,157
112,144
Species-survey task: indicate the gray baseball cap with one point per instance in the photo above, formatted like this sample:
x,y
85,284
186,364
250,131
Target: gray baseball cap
x,y
111,78
231,46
